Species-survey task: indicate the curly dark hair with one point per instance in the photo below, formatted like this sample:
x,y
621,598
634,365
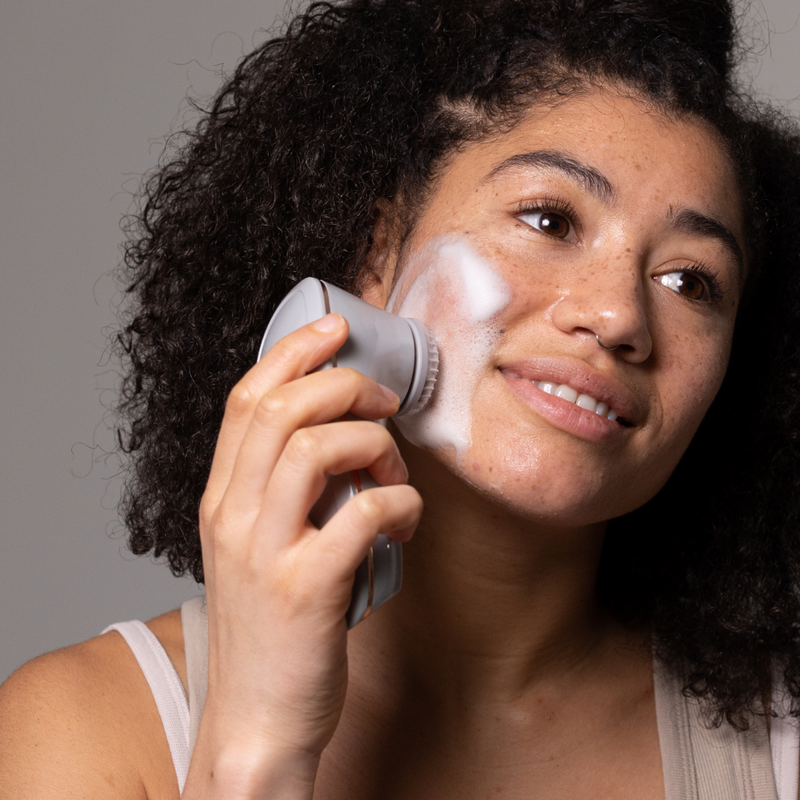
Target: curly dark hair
x,y
366,99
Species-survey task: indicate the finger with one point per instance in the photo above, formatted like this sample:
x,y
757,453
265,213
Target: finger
x,y
308,458
342,544
304,403
315,578
292,357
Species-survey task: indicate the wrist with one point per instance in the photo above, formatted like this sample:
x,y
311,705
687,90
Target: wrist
x,y
241,771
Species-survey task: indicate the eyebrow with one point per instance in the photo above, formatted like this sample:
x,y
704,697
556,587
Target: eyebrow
x,y
590,179
696,224
683,221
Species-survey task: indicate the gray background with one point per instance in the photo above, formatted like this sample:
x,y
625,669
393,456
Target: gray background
x,y
88,90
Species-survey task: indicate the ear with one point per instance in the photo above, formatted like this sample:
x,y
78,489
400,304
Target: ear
x,y
378,273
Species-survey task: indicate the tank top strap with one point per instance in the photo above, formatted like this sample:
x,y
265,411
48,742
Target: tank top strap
x,y
784,738
194,621
702,763
166,688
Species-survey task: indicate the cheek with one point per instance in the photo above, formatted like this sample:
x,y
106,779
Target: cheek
x,y
536,472
540,281
457,294
433,299
689,379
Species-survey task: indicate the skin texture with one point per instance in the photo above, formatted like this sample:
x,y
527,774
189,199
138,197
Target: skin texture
x,y
600,280
494,670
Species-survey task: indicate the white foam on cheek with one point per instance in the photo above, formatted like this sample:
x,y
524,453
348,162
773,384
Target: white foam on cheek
x,y
456,294
485,293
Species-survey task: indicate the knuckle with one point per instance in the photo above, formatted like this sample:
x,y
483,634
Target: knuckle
x,y
351,376
287,352
221,524
350,380
271,409
355,380
303,447
222,535
239,402
206,512
370,506
222,516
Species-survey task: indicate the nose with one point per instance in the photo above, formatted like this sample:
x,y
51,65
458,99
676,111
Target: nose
x,y
606,302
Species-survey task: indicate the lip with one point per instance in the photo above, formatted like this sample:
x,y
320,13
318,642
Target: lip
x,y
565,415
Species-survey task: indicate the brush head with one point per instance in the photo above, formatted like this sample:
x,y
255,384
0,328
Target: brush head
x,y
426,368
398,352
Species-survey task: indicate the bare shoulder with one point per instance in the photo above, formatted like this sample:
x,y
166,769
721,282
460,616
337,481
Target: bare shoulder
x,y
82,722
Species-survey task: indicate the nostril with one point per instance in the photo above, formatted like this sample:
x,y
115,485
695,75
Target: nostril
x,y
605,346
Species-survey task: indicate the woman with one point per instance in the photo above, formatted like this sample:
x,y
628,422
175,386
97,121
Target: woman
x,y
576,201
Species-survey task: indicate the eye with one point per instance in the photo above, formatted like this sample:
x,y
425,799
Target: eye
x,y
687,284
548,222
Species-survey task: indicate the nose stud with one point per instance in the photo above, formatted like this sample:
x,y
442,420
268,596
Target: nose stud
x,y
605,347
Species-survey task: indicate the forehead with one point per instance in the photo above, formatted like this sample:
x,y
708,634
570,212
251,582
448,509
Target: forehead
x,y
641,152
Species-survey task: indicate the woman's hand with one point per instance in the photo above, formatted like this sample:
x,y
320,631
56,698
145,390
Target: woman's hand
x,y
277,587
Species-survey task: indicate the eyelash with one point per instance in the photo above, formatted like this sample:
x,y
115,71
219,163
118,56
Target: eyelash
x,y
558,205
710,277
550,205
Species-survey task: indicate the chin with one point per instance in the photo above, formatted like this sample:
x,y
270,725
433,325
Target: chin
x,y
530,483
535,486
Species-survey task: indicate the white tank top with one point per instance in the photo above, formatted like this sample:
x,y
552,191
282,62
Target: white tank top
x,y
167,690
181,729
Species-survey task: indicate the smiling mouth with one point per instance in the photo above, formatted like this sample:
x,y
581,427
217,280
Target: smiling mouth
x,y
585,401
553,385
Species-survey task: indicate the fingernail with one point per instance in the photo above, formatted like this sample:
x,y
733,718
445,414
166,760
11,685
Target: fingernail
x,y
328,324
390,395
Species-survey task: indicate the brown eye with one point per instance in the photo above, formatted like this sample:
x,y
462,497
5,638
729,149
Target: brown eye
x,y
548,222
686,284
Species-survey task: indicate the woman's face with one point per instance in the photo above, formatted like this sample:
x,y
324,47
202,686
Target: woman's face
x,y
599,218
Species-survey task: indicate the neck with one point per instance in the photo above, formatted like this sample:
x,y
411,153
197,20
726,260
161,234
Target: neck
x,y
491,603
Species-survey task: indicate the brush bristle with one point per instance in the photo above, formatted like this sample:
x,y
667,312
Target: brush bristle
x,y
430,378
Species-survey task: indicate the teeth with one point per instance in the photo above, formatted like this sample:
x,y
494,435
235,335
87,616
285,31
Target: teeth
x,y
571,396
566,393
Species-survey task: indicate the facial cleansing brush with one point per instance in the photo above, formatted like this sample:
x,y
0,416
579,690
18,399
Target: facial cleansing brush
x,y
398,352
